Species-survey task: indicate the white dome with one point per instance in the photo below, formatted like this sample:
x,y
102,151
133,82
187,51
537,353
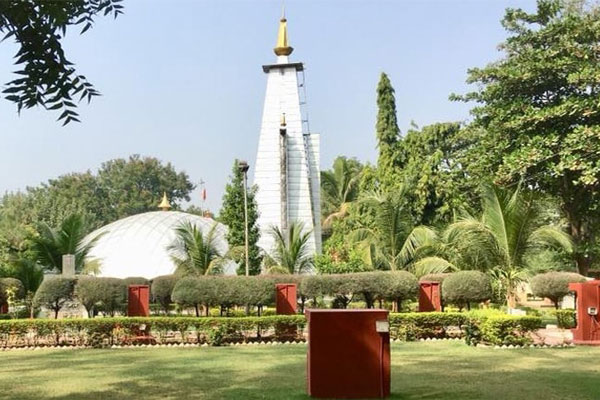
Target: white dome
x,y
137,245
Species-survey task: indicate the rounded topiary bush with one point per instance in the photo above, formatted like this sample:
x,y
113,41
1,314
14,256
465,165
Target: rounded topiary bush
x,y
101,294
554,285
402,285
465,287
161,289
54,293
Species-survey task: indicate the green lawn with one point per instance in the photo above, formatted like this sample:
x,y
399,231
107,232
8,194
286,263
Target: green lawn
x,y
430,370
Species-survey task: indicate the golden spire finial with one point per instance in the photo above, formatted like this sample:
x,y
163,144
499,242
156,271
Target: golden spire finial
x,y
282,120
164,204
283,48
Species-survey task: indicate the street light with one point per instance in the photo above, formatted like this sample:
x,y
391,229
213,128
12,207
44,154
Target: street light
x,y
244,167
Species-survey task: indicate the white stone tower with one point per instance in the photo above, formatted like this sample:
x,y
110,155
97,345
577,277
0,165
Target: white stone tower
x,y
287,163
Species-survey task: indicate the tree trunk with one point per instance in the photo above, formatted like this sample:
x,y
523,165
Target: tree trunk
x,y
576,206
197,310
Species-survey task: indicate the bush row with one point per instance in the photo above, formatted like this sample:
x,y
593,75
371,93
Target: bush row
x,y
101,332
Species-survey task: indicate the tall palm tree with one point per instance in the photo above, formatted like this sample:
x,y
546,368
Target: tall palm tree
x,y
50,244
499,241
194,253
390,241
290,252
339,188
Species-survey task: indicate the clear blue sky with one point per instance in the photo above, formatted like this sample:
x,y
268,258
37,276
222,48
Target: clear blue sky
x,y
182,81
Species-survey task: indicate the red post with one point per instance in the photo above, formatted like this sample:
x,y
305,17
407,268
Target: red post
x,y
429,296
348,354
138,301
587,311
286,302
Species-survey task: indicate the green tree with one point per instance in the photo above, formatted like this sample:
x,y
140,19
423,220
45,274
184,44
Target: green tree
x,y
232,215
290,251
50,244
339,189
430,163
135,185
46,77
195,253
538,116
387,131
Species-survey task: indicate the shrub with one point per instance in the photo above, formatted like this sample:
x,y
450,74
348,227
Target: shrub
x,y
100,332
315,286
566,319
115,295
508,329
162,287
554,285
402,286
89,291
189,292
464,287
54,292
415,326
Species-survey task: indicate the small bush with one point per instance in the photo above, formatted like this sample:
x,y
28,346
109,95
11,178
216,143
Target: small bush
x,y
566,319
554,285
464,287
54,293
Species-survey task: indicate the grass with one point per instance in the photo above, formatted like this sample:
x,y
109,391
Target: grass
x,y
430,370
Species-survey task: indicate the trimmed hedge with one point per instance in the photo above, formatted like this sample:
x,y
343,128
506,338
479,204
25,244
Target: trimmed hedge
x,y
497,328
100,332
415,326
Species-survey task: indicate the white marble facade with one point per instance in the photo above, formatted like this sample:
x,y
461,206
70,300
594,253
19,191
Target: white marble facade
x,y
302,153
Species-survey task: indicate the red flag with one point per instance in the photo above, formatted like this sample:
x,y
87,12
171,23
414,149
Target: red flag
x,y
203,194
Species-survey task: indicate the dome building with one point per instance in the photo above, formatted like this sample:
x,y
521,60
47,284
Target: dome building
x,y
137,245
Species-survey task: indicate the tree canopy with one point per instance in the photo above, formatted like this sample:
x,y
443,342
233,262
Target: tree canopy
x,y
537,117
46,77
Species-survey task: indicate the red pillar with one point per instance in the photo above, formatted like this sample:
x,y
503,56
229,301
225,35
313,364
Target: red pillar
x,y
348,354
587,310
286,300
138,301
429,296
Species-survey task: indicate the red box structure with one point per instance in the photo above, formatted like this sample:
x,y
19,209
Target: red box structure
x,y
587,303
348,354
286,302
4,308
138,301
429,296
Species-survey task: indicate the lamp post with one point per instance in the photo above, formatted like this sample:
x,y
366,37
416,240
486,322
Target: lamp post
x,y
244,167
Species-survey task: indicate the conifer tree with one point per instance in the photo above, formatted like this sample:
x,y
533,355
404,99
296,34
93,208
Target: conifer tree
x,y
386,130
232,215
